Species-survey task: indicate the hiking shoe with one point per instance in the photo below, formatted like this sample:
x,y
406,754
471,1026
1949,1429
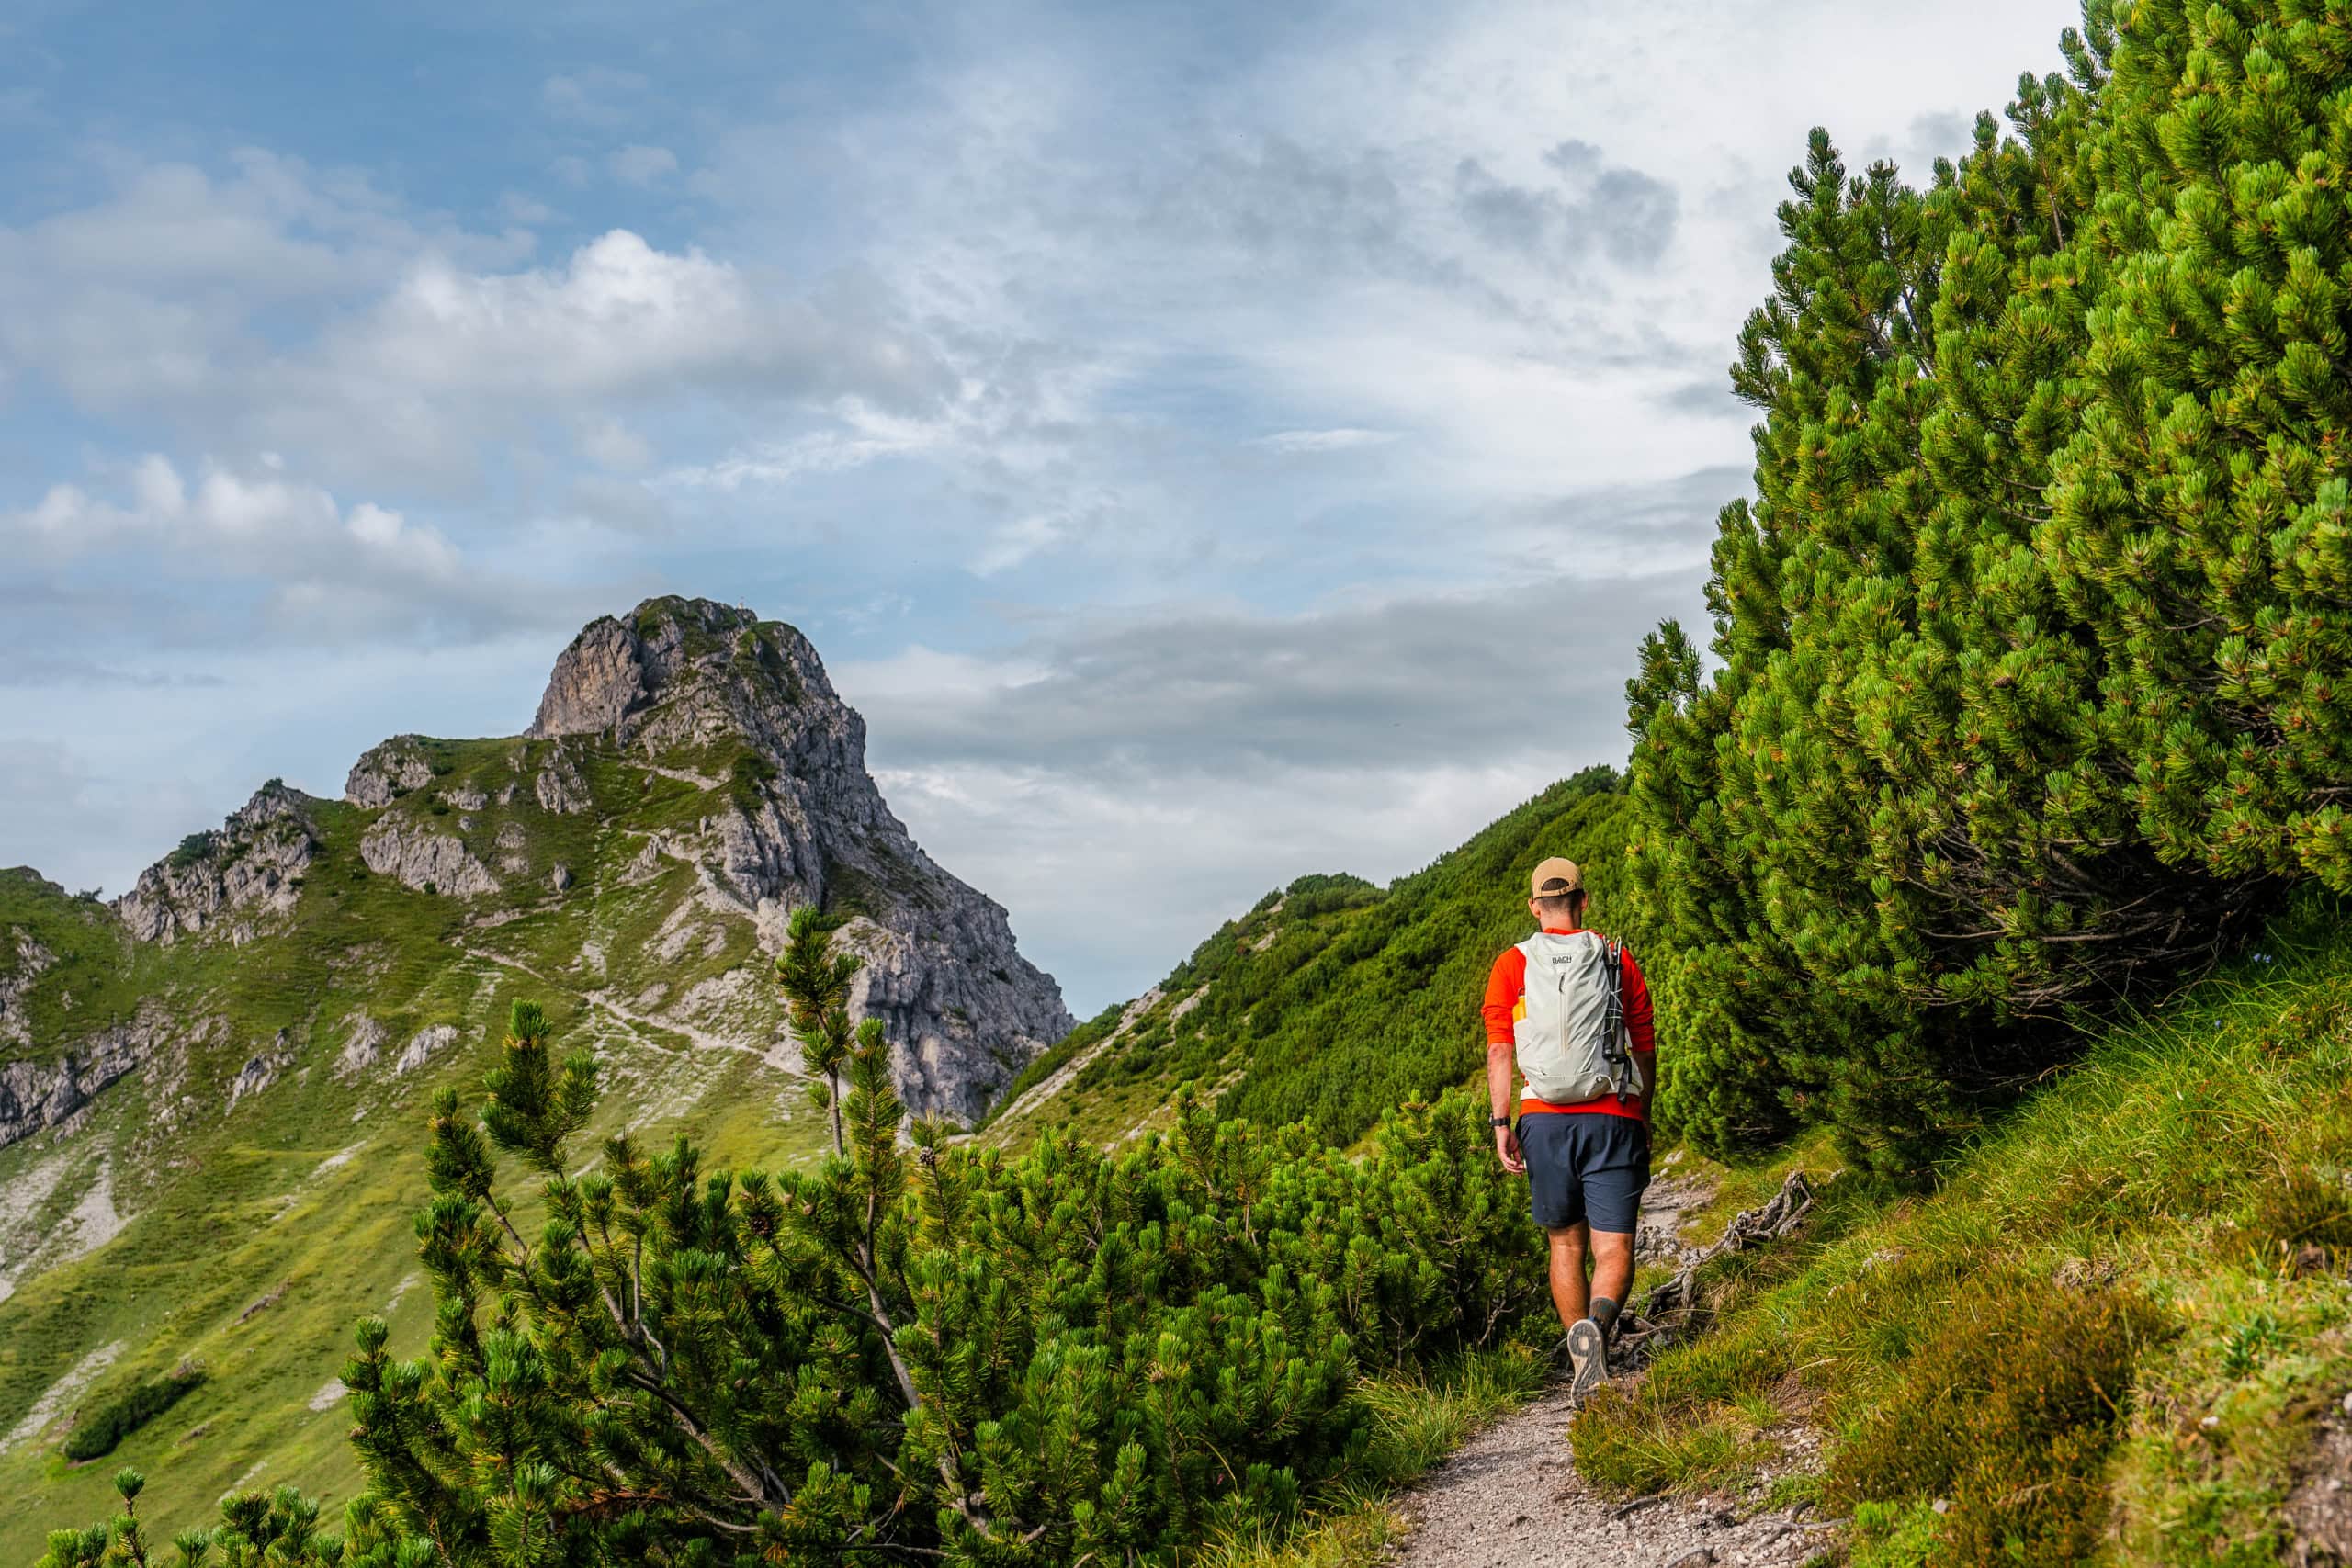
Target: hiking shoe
x,y
1587,1358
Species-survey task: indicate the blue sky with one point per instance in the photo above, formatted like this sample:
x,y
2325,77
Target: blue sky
x,y
1210,443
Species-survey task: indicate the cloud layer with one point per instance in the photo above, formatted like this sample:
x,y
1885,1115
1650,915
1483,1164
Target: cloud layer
x,y
1200,436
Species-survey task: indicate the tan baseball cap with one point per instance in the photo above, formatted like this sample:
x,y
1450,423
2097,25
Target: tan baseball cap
x,y
1555,878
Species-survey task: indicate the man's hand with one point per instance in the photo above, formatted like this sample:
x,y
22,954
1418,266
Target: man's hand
x,y
1498,1076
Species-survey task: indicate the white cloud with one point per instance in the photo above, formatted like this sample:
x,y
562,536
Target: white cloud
x,y
152,294
1087,512
638,164
1340,440
416,378
867,436
517,208
593,94
326,571
262,519
617,505
617,316
609,443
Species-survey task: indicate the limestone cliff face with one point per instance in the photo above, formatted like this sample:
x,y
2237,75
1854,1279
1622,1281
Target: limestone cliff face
x,y
426,861
803,822
36,1094
250,868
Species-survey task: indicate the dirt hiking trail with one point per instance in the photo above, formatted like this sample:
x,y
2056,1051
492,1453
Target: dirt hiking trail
x,y
1511,1496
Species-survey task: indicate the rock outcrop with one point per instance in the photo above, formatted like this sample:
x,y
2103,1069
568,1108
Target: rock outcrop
x,y
599,681
425,860
250,867
801,822
364,1040
385,772
422,1046
363,1046
260,1071
559,785
38,1095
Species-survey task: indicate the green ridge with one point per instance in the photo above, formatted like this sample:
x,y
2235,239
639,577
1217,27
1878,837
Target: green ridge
x,y
1332,1000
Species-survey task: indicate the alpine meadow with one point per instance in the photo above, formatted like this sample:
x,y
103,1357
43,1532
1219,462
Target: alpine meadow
x,y
1985,857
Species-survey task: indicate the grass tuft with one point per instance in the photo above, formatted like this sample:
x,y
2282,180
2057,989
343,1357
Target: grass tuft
x,y
2009,1412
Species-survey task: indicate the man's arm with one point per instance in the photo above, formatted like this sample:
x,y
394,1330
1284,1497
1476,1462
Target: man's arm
x,y
1505,983
1498,1075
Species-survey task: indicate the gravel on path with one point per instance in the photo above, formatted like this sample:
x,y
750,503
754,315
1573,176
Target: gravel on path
x,y
1510,1498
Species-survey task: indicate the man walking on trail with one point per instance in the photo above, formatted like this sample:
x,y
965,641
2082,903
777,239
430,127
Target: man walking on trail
x,y
1569,1007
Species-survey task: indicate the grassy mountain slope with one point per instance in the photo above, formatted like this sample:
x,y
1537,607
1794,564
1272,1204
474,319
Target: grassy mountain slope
x,y
1331,1000
299,1194
235,1182
2130,1295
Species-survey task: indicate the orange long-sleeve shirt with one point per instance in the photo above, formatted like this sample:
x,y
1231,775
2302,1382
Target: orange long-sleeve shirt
x,y
1505,991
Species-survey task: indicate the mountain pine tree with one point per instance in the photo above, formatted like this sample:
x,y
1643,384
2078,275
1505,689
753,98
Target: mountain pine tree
x,y
912,1350
2029,640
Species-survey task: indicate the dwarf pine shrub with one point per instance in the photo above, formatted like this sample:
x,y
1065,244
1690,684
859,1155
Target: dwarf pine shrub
x,y
2030,655
913,1350
117,1418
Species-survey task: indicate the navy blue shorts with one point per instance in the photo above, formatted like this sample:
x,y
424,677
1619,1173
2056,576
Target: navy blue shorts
x,y
1585,1166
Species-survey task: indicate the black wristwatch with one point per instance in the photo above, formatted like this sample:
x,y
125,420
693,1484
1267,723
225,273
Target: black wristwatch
x,y
1502,1120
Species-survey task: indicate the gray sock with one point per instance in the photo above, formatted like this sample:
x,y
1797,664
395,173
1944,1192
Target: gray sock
x,y
1604,1314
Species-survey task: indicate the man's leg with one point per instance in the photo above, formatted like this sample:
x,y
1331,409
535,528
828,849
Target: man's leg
x,y
1612,1275
1569,1295
1616,1172
1588,1343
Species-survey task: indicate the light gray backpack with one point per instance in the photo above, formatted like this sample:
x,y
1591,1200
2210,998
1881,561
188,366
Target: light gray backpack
x,y
1573,1045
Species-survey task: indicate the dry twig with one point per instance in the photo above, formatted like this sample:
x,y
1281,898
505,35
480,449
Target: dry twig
x,y
1666,1311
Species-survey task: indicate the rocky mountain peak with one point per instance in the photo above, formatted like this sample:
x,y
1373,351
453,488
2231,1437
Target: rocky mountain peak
x,y
680,671
691,765
689,683
692,682
252,864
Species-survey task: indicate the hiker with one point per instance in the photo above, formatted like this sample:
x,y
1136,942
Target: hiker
x,y
1571,1008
